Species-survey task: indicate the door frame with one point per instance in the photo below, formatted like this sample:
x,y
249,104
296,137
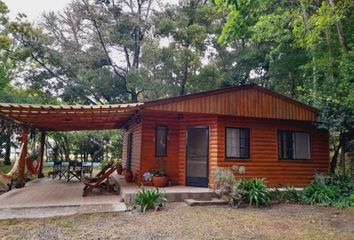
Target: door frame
x,y
186,148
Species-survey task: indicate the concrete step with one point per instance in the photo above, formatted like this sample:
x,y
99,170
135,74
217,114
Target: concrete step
x,y
210,202
179,196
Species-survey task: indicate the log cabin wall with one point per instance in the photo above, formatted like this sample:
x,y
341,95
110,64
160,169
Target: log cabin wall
x,y
263,111
136,130
149,161
175,160
264,162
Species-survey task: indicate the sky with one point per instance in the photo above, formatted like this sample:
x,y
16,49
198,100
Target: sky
x,y
34,8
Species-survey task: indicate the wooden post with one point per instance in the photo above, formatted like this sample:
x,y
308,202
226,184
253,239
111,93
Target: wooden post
x,y
22,163
40,173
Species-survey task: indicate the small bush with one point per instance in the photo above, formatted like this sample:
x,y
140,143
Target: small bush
x,y
335,191
318,193
224,177
149,198
289,194
255,191
237,194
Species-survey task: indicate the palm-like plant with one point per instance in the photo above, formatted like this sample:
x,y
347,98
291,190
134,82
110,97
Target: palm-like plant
x,y
148,198
256,191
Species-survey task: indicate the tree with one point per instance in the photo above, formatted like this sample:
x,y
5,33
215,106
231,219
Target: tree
x,y
90,52
189,29
308,55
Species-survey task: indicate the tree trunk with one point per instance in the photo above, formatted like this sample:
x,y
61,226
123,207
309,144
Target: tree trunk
x,y
339,27
342,160
305,18
7,160
182,90
66,148
334,160
134,96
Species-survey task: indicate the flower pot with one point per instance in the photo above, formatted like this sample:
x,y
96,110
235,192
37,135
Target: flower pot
x,y
128,175
159,181
120,169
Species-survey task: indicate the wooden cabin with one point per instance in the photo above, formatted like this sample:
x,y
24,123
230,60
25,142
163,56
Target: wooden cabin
x,y
273,136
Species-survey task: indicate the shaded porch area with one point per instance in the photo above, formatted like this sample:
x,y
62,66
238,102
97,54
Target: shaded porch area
x,y
46,197
47,192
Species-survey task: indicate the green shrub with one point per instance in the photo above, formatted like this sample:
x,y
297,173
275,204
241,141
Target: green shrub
x,y
237,194
336,191
149,198
318,193
289,194
343,185
224,177
255,191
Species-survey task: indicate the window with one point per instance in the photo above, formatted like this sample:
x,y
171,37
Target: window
x,y
161,141
237,142
294,145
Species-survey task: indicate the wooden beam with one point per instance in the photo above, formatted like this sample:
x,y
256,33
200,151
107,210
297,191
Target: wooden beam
x,y
41,154
21,170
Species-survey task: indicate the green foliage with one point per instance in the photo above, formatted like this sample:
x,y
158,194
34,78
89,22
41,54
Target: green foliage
x,y
237,194
318,193
303,49
255,191
337,192
149,198
5,168
290,194
225,177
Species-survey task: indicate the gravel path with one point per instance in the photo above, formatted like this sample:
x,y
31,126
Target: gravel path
x,y
178,221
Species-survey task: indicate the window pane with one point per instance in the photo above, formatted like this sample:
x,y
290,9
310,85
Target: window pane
x,y
302,143
244,143
232,142
237,142
161,141
294,145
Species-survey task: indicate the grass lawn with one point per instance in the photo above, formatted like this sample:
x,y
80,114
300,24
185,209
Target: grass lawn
x,y
5,168
178,221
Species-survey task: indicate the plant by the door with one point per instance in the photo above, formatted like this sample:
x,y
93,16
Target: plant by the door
x,y
157,176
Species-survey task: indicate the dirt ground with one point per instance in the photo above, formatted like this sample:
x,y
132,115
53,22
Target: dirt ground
x,y
179,221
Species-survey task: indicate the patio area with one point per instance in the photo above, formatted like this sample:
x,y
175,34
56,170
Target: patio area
x,y
47,197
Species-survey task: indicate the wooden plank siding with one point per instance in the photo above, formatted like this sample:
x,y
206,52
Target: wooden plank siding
x,y
176,144
136,130
264,162
263,111
252,101
149,160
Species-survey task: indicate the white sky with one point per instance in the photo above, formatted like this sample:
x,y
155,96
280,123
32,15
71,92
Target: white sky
x,y
34,8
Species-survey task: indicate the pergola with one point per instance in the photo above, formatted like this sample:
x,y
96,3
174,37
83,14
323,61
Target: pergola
x,y
63,118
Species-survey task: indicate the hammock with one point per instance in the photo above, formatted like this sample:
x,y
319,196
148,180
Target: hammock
x,y
33,169
9,175
14,168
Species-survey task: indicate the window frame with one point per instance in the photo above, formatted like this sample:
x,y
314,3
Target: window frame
x,y
294,159
166,139
249,144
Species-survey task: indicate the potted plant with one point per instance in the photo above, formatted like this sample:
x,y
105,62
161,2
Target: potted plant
x,y
128,175
120,168
159,179
147,176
